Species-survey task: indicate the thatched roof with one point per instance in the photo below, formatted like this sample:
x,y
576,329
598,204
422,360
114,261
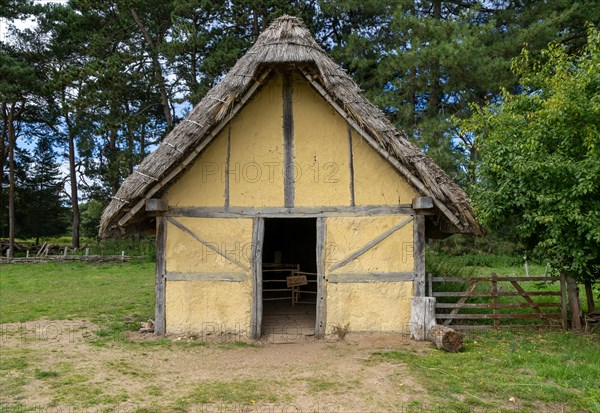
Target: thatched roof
x,y
287,41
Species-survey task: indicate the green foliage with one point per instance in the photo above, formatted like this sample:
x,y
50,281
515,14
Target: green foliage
x,y
540,170
91,212
105,83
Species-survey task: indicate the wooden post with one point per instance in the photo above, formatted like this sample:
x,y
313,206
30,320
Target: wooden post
x,y
87,251
589,294
422,317
563,302
351,165
495,300
66,250
430,279
288,140
419,255
574,304
321,318
160,283
258,236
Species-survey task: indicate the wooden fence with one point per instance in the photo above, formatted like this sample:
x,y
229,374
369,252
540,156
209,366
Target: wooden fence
x,y
488,293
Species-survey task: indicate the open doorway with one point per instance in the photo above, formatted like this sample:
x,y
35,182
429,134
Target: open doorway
x,y
289,276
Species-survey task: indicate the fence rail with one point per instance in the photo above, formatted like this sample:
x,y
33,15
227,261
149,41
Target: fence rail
x,y
488,292
63,258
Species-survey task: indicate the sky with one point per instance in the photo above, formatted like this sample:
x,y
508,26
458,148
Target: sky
x,y
21,24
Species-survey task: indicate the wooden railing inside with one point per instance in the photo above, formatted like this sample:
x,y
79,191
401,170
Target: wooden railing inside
x,y
489,293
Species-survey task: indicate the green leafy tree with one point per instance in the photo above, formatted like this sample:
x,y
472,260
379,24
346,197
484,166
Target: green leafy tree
x,y
91,212
540,169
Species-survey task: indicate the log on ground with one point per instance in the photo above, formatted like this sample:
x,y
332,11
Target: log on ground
x,y
445,338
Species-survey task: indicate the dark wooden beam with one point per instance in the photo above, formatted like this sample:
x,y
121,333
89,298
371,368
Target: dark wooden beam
x,y
288,140
256,312
422,202
156,205
227,161
298,212
206,276
160,282
321,318
371,277
351,164
419,255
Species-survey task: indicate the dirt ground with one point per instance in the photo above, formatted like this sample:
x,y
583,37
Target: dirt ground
x,y
58,366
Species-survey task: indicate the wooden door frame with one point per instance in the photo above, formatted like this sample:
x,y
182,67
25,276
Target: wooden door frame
x,y
258,239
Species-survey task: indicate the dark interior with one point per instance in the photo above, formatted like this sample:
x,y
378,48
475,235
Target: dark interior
x,y
289,249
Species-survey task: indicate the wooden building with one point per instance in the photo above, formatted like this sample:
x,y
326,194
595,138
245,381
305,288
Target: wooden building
x,y
285,187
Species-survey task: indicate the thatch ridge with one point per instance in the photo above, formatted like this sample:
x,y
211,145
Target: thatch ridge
x,y
286,41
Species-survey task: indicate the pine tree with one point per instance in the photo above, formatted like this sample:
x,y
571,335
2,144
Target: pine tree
x,y
41,211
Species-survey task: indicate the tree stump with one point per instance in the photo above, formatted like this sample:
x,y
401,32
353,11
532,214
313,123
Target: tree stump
x,y
445,338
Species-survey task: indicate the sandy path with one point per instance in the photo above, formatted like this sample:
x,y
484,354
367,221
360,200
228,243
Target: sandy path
x,y
301,375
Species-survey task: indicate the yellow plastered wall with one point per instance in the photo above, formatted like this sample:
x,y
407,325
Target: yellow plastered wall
x,y
321,158
381,306
376,182
373,306
187,255
348,234
321,150
202,307
204,183
195,306
256,163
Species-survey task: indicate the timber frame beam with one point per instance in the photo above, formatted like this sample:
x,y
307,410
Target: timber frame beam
x,y
299,212
160,282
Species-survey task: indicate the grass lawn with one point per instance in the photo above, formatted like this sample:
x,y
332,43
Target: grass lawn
x,y
107,370
56,291
528,369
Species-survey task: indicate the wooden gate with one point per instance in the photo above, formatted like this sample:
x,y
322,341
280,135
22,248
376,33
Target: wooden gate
x,y
497,302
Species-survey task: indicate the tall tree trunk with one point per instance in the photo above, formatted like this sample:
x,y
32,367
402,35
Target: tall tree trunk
x,y
434,97
11,185
589,294
3,155
142,142
76,221
13,114
158,74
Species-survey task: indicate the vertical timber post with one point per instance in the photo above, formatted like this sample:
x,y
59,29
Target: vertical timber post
x,y
574,303
258,236
419,255
158,207
288,140
159,287
321,318
563,302
422,308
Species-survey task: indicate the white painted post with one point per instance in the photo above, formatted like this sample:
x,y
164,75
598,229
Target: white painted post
x,y
66,250
27,254
87,251
122,255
